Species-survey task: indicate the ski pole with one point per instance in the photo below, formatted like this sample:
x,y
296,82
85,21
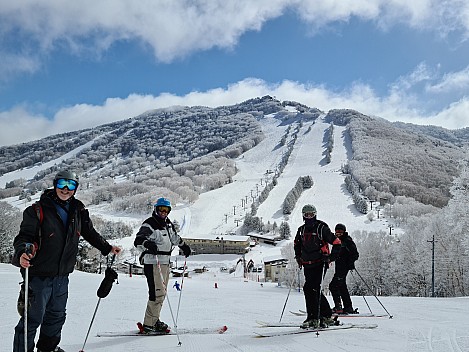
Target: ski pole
x,y
180,292
286,300
165,287
323,274
99,300
367,304
369,288
28,251
351,271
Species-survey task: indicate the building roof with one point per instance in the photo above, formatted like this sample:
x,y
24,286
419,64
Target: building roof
x,y
232,238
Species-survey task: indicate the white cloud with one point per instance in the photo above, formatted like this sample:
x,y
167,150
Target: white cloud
x,y
18,125
175,29
13,64
453,81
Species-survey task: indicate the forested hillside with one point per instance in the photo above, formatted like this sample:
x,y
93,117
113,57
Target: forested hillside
x,y
391,160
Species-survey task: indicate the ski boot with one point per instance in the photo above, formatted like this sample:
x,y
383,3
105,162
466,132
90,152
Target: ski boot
x,y
310,323
350,310
337,309
161,327
325,322
56,349
158,328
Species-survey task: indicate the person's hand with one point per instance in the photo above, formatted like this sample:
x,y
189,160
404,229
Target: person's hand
x,y
299,261
151,247
24,260
186,250
115,250
28,254
326,258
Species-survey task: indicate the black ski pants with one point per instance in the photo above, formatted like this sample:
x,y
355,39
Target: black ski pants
x,y
47,311
312,291
339,290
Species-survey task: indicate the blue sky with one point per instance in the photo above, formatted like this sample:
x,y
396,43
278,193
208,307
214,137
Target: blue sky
x,y
70,65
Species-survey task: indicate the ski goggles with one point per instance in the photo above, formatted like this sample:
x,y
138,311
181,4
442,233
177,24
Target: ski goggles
x,y
309,215
61,183
163,209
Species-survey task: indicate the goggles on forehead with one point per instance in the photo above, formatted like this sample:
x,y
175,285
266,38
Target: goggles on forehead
x,y
61,183
309,215
162,208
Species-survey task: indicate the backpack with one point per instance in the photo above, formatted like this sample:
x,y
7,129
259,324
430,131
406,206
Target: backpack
x,y
40,215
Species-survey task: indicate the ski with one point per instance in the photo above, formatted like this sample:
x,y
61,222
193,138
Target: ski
x,y
295,324
360,315
354,315
277,332
269,324
298,314
219,330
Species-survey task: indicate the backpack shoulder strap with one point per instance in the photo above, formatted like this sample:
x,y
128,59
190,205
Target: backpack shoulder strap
x,y
40,215
38,208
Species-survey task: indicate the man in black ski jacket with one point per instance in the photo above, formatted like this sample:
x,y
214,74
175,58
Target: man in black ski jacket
x,y
50,230
346,261
312,253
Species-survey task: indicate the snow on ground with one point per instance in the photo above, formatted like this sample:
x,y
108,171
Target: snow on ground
x,y
418,324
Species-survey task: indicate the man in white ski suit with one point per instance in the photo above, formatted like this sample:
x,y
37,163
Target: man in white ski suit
x,y
156,239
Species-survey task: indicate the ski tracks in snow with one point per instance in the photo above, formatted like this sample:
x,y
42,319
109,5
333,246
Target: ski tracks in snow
x,y
437,339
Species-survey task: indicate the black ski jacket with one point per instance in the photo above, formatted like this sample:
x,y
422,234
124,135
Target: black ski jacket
x,y
57,244
311,244
347,256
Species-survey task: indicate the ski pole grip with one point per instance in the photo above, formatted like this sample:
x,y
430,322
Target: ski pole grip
x,y
112,260
28,248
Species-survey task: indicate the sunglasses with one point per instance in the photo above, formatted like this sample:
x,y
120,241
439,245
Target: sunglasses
x,y
163,209
61,183
309,215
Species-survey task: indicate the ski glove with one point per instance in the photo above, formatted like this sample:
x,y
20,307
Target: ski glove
x,y
186,250
299,261
106,285
21,303
151,247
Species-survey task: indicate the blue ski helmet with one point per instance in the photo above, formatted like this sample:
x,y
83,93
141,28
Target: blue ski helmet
x,y
162,202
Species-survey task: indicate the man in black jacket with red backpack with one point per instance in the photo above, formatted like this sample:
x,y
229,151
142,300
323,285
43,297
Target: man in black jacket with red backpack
x,y
47,246
312,253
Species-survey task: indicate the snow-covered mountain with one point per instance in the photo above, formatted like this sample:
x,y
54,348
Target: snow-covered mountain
x,y
125,166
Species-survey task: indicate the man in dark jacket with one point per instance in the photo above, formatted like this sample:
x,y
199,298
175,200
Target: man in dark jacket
x,y
47,245
312,253
346,261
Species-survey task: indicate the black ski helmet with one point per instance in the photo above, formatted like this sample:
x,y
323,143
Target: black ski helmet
x,y
308,208
69,175
340,227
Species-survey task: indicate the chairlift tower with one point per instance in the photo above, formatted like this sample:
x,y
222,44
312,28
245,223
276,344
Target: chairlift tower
x,y
433,264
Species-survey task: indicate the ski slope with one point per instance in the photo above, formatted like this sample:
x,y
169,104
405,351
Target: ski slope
x,y
418,324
